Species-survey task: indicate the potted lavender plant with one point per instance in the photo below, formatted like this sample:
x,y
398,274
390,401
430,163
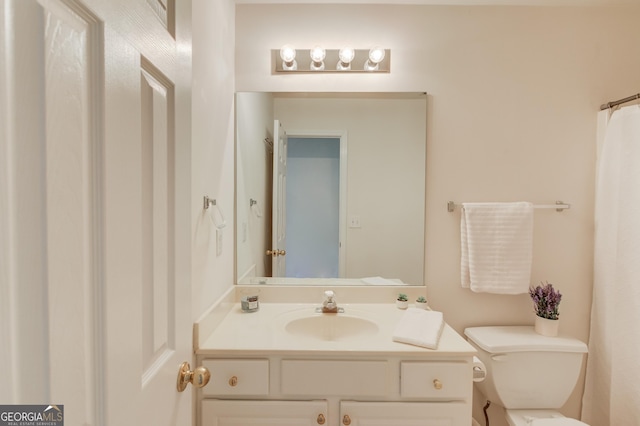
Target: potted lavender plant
x,y
545,302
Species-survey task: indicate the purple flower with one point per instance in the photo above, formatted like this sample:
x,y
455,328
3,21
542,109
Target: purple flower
x,y
545,301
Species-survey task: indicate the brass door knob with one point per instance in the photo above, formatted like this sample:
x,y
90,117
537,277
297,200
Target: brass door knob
x,y
346,420
321,420
437,384
276,252
198,377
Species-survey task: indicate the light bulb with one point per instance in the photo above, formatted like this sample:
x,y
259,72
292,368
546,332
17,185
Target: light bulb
x,y
376,55
288,56
317,58
346,55
287,53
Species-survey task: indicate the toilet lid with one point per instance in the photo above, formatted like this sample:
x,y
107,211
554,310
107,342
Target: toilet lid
x,y
560,421
513,338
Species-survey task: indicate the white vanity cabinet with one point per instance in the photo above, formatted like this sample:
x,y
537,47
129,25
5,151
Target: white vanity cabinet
x,y
262,374
360,390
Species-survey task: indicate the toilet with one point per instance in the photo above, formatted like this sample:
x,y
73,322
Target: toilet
x,y
528,374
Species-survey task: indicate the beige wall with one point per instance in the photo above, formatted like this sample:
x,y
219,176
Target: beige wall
x,y
514,93
212,148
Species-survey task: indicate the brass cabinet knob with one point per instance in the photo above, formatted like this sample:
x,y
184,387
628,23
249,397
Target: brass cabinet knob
x,y
346,420
233,381
321,420
198,377
437,384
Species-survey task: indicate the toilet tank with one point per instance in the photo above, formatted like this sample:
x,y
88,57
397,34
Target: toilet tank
x,y
524,369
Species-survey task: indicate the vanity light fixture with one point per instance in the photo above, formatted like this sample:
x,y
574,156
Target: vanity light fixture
x,y
376,55
345,56
288,56
317,55
346,60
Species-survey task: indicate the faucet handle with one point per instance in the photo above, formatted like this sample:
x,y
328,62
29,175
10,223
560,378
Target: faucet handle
x,y
329,294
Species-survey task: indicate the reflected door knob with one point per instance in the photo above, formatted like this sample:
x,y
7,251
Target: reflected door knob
x,y
198,377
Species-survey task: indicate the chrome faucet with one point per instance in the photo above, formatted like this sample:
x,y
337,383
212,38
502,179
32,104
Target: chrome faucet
x,y
330,306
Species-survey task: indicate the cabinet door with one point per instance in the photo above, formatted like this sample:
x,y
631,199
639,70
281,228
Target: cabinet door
x,y
263,413
404,414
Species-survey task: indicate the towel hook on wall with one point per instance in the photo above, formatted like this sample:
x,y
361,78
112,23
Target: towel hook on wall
x,y
209,202
220,222
253,205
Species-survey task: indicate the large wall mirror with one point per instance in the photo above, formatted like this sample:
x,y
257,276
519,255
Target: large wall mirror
x,y
330,188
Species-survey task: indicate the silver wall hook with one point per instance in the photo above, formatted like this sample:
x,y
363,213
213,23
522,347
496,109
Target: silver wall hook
x,y
209,202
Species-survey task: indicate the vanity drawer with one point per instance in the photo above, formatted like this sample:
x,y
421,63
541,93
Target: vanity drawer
x,y
237,377
329,377
437,380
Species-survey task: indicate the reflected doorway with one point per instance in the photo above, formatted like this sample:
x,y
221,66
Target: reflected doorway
x,y
313,202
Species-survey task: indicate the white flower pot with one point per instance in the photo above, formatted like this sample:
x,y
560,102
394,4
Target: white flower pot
x,y
402,304
546,327
422,305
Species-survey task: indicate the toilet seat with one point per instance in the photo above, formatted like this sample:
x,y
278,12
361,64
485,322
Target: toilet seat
x,y
540,418
559,421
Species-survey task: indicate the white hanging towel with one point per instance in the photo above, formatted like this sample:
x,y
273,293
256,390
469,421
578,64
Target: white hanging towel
x,y
496,247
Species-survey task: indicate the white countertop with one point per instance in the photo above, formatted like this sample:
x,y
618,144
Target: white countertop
x,y
264,332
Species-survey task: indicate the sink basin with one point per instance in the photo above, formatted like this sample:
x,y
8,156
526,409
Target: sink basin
x,y
332,327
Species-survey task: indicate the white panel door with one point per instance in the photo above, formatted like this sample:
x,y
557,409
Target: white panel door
x,y
110,181
146,232
70,149
279,201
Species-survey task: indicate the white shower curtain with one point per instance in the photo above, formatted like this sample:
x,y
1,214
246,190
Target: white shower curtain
x,y
612,388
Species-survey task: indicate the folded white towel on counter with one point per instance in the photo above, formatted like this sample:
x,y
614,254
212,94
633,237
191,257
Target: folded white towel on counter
x,y
381,281
419,327
496,247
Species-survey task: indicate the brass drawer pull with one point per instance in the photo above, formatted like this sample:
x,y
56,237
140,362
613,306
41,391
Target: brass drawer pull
x,y
437,384
321,420
346,420
233,381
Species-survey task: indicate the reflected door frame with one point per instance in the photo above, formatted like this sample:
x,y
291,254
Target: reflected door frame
x,y
342,215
